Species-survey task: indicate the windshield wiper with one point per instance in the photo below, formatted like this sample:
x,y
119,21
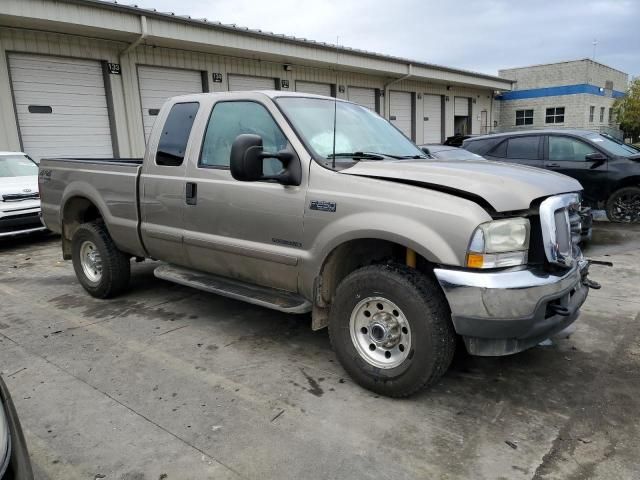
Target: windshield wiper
x,y
358,155
409,157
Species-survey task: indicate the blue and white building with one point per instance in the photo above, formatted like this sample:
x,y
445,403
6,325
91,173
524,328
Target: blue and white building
x,y
573,94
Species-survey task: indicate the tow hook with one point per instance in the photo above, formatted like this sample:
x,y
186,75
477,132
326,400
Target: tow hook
x,y
591,283
586,280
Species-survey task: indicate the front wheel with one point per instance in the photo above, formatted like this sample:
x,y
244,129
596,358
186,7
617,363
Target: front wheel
x,y
101,268
391,329
623,205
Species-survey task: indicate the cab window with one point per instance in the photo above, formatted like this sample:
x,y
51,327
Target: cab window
x,y
230,119
567,149
175,134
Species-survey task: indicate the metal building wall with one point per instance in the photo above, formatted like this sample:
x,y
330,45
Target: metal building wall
x,y
125,87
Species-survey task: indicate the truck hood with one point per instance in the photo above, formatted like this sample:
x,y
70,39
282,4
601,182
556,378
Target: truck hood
x,y
504,186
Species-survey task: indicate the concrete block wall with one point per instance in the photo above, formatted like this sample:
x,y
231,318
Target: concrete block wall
x,y
565,73
576,111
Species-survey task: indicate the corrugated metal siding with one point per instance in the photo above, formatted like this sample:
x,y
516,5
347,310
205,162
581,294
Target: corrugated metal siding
x,y
157,84
461,107
72,90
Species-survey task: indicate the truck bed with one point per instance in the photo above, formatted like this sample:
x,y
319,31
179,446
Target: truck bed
x,y
110,184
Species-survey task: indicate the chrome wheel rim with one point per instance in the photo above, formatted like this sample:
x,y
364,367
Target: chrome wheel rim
x,y
91,261
380,332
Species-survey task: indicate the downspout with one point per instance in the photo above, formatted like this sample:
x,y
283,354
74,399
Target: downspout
x,y
143,35
387,100
129,75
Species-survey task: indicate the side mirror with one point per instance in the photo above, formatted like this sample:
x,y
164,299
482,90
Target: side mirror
x,y
247,162
597,158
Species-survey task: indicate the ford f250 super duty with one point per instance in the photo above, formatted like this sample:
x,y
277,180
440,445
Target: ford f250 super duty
x,y
303,203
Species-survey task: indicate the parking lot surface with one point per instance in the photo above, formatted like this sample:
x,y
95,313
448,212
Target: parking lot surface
x,y
167,382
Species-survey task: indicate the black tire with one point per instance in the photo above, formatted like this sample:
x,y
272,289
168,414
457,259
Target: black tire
x,y
623,206
115,265
433,339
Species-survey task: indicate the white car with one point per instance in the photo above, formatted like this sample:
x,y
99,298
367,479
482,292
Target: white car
x,y
19,196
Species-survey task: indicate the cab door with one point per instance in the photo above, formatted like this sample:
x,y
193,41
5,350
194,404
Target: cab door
x,y
162,186
250,231
575,157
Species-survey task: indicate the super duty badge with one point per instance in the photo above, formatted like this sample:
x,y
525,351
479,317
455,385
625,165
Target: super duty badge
x,y
323,206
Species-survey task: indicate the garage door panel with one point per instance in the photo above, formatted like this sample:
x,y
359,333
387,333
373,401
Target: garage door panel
x,y
363,96
74,89
314,88
157,84
60,99
461,106
432,118
400,111
243,83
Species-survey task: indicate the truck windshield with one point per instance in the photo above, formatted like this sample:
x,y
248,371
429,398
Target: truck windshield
x,y
360,134
17,166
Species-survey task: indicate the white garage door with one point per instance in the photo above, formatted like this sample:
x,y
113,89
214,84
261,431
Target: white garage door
x,y
432,118
312,87
363,96
461,106
61,106
159,83
400,111
245,83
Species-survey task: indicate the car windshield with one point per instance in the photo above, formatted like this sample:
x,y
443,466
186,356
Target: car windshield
x,y
17,166
360,134
613,147
455,154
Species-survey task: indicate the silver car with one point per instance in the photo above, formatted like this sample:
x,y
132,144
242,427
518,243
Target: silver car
x,y
20,205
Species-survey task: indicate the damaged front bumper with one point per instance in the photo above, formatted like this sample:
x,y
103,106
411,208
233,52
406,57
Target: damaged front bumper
x,y
500,313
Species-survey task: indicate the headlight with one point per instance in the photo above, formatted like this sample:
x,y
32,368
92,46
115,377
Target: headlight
x,y
5,445
501,243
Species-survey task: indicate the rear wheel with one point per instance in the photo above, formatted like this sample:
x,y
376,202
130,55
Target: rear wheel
x,y
101,268
391,330
624,205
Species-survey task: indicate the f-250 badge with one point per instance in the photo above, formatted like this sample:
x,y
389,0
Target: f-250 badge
x,y
323,206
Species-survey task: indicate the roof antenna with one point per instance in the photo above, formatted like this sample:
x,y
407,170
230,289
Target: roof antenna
x,y
335,107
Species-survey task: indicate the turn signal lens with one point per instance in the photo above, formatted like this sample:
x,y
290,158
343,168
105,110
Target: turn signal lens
x,y
475,260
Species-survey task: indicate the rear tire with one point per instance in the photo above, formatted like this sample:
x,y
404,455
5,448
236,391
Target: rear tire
x,y
391,329
101,268
623,206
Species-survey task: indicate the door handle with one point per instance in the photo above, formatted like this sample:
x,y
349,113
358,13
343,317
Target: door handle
x,y
553,165
191,193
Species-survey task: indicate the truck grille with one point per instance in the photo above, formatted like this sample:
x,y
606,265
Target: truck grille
x,y
561,226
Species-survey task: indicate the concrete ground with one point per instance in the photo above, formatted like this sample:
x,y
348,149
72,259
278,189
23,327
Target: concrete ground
x,y
166,382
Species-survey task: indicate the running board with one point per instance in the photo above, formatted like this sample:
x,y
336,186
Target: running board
x,y
275,299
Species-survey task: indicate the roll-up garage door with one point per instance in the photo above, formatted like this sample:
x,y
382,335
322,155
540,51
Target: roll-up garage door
x,y
432,118
400,111
61,106
363,96
245,83
461,106
312,87
159,83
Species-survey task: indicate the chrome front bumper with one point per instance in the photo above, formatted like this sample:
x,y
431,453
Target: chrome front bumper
x,y
499,313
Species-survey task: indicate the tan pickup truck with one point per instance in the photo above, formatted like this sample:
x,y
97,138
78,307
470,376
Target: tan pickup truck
x,y
304,203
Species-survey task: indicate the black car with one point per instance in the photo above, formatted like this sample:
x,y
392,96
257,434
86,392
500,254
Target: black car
x,y
444,152
14,458
456,140
609,171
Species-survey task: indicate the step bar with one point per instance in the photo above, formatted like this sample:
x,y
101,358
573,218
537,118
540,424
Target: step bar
x,y
272,298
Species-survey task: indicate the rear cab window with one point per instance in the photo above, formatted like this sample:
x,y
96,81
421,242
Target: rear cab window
x,y
175,134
